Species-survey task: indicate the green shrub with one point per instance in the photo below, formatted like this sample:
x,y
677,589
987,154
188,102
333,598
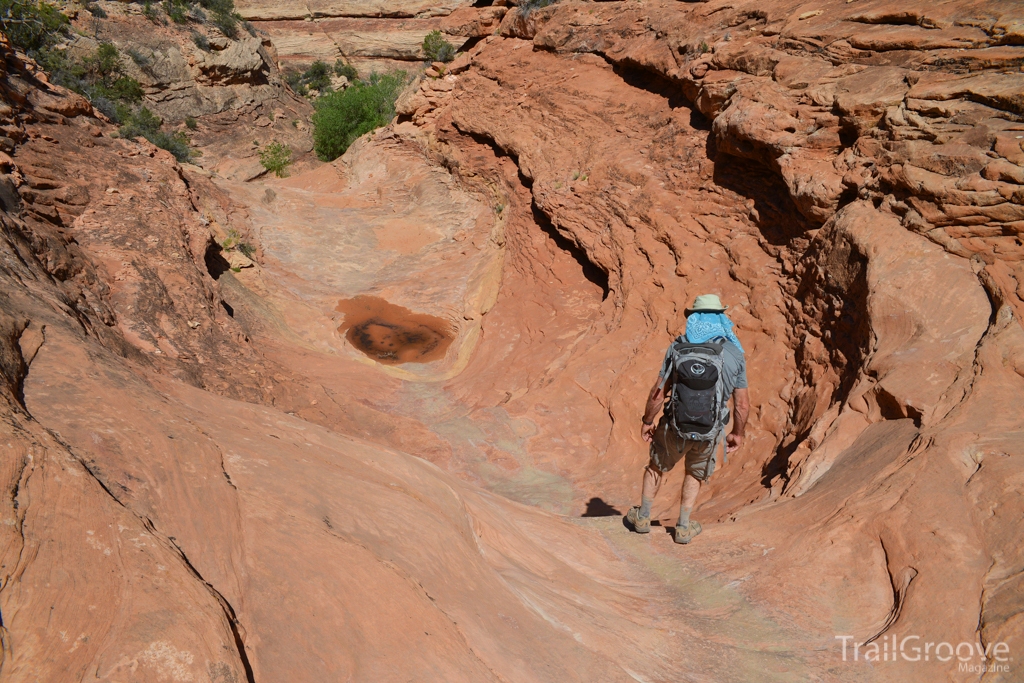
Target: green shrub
x,y
342,117
226,23
276,158
191,123
142,123
151,14
318,76
177,10
100,77
105,62
140,59
232,239
219,6
248,250
32,26
105,77
146,124
294,81
183,11
223,11
95,10
343,68
527,6
124,89
437,48
201,41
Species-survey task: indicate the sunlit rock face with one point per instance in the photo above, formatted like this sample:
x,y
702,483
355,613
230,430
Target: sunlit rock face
x,y
218,469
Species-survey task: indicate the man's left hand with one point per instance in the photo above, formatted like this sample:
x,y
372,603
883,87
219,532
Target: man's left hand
x,y
733,443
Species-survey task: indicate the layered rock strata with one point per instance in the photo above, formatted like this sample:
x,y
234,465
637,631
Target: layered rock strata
x,y
381,36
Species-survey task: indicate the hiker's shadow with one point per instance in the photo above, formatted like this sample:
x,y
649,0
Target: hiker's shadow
x,y
596,507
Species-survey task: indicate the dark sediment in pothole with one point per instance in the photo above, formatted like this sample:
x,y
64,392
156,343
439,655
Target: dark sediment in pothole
x,y
392,334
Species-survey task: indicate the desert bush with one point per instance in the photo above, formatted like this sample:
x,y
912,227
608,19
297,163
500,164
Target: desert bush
x,y
232,239
177,10
32,26
191,123
140,59
527,6
151,14
224,17
100,77
103,76
318,76
437,49
343,68
276,158
201,41
294,81
342,117
146,124
226,24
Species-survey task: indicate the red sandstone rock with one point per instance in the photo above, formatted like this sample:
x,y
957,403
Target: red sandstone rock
x,y
213,492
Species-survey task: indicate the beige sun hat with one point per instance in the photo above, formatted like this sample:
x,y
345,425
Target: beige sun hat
x,y
707,303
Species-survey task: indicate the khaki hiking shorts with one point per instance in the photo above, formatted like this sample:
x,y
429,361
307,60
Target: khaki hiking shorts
x,y
668,448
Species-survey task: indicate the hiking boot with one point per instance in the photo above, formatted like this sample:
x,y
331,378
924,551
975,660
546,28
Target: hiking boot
x,y
686,535
641,525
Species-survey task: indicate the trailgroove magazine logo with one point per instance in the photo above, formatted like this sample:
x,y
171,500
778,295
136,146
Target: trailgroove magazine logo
x,y
970,657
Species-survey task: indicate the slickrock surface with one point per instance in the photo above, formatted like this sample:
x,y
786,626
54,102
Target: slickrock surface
x,y
160,529
207,482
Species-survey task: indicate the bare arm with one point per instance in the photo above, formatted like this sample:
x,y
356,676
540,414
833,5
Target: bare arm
x,y
655,401
741,406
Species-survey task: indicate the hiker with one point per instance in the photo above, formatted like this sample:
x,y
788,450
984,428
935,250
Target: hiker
x,y
702,369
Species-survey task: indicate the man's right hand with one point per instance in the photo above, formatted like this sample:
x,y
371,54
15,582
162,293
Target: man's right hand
x,y
647,432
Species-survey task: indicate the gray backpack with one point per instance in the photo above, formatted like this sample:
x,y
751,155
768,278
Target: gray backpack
x,y
698,407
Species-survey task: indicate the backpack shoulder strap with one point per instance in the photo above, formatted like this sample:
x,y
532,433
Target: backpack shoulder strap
x,y
673,354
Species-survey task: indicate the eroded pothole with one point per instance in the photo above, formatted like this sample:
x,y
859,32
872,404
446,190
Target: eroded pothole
x,y
392,334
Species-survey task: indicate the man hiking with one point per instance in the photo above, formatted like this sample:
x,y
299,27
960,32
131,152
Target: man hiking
x,y
702,369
